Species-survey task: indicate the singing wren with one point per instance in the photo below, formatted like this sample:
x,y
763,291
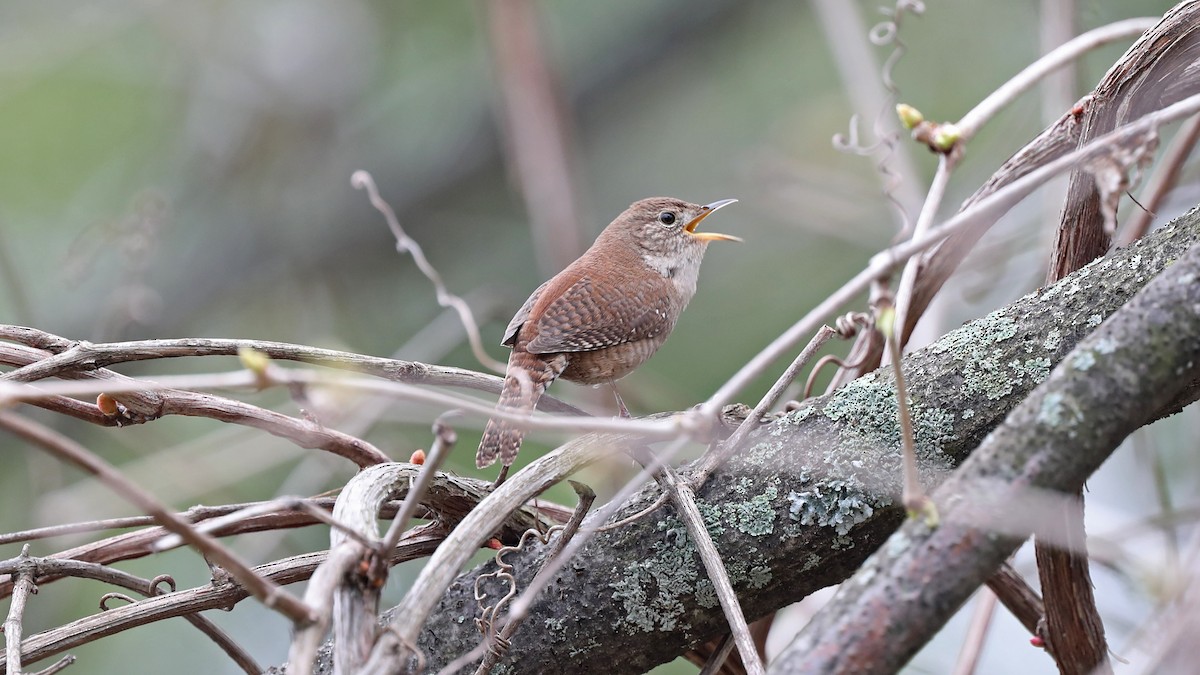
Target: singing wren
x,y
605,314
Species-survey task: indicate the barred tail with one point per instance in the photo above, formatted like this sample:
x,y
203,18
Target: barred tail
x,y
526,380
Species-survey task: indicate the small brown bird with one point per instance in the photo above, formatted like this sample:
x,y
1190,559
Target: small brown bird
x,y
605,314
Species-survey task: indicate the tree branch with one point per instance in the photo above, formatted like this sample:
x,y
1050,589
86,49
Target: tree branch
x,y
1144,355
808,497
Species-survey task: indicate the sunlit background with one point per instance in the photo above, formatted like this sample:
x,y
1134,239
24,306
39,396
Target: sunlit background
x,y
182,169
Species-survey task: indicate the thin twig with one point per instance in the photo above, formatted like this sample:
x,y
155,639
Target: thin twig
x,y
58,666
74,528
67,450
1017,597
13,623
1161,182
362,180
716,456
78,355
80,569
718,657
685,507
212,631
929,209
654,506
444,439
1006,93
257,510
913,496
968,656
686,422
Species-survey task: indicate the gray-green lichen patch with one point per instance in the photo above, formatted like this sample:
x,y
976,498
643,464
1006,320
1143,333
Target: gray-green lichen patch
x,y
1057,410
1053,339
758,576
756,516
655,592
706,594
870,420
713,516
834,503
1035,370
742,572
591,647
764,452
1106,345
974,349
1083,360
794,418
651,591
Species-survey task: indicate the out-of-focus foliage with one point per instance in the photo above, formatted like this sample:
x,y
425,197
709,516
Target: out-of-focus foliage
x,y
182,169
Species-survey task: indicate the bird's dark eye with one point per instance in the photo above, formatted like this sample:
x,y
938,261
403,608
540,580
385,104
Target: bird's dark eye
x,y
666,218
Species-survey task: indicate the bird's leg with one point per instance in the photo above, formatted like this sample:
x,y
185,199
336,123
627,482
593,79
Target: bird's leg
x,y
622,411
501,477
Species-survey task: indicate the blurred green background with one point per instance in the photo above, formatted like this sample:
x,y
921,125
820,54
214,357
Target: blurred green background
x,y
172,169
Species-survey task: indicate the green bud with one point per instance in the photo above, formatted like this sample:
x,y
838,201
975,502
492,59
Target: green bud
x,y
909,116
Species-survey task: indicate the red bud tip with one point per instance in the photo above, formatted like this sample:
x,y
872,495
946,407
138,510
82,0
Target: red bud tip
x,y
106,404
494,544
1038,642
418,457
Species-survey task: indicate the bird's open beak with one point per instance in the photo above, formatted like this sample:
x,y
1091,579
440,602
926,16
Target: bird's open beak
x,y
704,213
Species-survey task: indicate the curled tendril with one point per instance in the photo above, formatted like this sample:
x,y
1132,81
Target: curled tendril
x,y
158,581
887,33
114,596
849,142
848,325
883,34
488,613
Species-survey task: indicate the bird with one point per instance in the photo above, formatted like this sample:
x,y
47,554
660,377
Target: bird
x,y
605,314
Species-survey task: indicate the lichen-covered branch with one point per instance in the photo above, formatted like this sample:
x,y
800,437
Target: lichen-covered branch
x,y
1144,356
809,496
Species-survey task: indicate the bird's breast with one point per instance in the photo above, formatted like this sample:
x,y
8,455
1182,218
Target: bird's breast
x,y
682,269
